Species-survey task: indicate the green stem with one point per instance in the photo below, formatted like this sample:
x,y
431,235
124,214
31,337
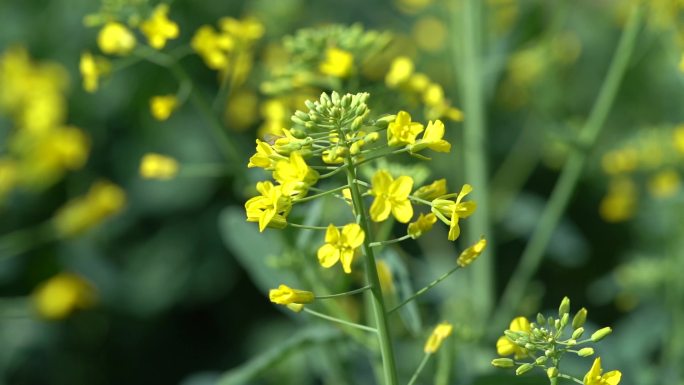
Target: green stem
x,y
309,227
571,378
389,366
346,293
424,290
572,170
312,197
475,148
419,369
340,321
390,241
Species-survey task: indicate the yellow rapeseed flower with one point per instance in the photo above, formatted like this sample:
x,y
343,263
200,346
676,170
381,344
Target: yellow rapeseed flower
x,y
92,68
246,30
103,200
115,39
664,184
158,28
595,375
402,131
61,295
212,46
265,157
270,209
422,225
432,139
441,332
471,253
295,175
620,202
391,196
340,246
285,295
157,166
163,106
451,211
337,63
432,191
506,347
400,72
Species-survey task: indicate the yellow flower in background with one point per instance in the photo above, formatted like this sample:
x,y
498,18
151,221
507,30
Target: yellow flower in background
x,y
432,191
412,6
340,246
92,68
620,202
270,209
102,201
337,63
285,295
61,295
664,184
430,34
265,157
391,196
432,139
506,347
400,71
161,107
454,210
213,47
402,131
295,175
595,375
156,166
421,226
620,161
470,254
115,39
247,30
441,332
158,28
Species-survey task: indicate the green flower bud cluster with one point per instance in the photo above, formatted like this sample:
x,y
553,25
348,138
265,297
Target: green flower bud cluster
x,y
333,112
543,343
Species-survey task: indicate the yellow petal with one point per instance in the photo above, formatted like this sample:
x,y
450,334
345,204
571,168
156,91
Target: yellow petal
x,y
402,211
504,346
465,190
347,257
401,187
380,209
328,255
381,182
454,230
520,324
353,235
332,234
613,377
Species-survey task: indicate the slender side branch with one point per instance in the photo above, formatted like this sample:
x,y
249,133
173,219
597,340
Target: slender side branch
x,y
424,290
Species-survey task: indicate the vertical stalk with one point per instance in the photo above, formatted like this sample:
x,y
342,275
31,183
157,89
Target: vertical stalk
x,y
474,148
570,174
388,364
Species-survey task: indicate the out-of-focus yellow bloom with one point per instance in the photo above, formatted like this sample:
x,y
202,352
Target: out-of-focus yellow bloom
x,y
595,375
432,191
270,209
441,332
620,161
421,226
399,72
276,115
678,139
156,166
526,66
163,106
241,109
620,202
451,211
391,196
412,6
115,39
385,276
430,34
61,295
213,47
340,246
103,200
432,139
418,82
337,63
247,30
285,295
158,28
288,143
92,68
402,131
8,176
506,347
265,157
433,95
470,254
295,175
664,184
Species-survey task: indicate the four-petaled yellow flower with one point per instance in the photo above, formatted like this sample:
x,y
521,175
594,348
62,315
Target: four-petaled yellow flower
x,y
115,39
402,131
595,377
451,211
432,191
295,175
61,295
400,71
441,332
162,107
506,347
340,246
270,209
156,166
432,139
212,46
91,69
470,254
158,28
391,196
337,63
422,225
265,157
285,295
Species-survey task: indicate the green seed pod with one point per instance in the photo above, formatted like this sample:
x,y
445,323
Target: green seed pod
x,y
564,307
580,317
524,368
585,352
503,362
552,372
601,334
577,333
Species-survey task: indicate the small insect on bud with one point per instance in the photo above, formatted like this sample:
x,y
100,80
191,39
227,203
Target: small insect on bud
x,y
601,334
579,319
503,362
577,333
552,372
585,352
524,368
564,307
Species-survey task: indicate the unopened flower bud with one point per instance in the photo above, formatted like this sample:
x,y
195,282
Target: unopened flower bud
x,y
571,342
540,319
601,334
585,352
552,372
503,362
577,333
564,307
524,368
579,319
540,360
565,319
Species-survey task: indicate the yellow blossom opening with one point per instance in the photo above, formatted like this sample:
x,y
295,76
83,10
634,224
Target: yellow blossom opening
x,y
506,347
212,46
451,211
270,209
595,375
337,63
157,166
470,254
340,246
441,332
295,175
158,28
92,68
63,294
115,39
422,225
265,157
402,131
433,138
162,107
285,295
432,191
391,196
399,72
